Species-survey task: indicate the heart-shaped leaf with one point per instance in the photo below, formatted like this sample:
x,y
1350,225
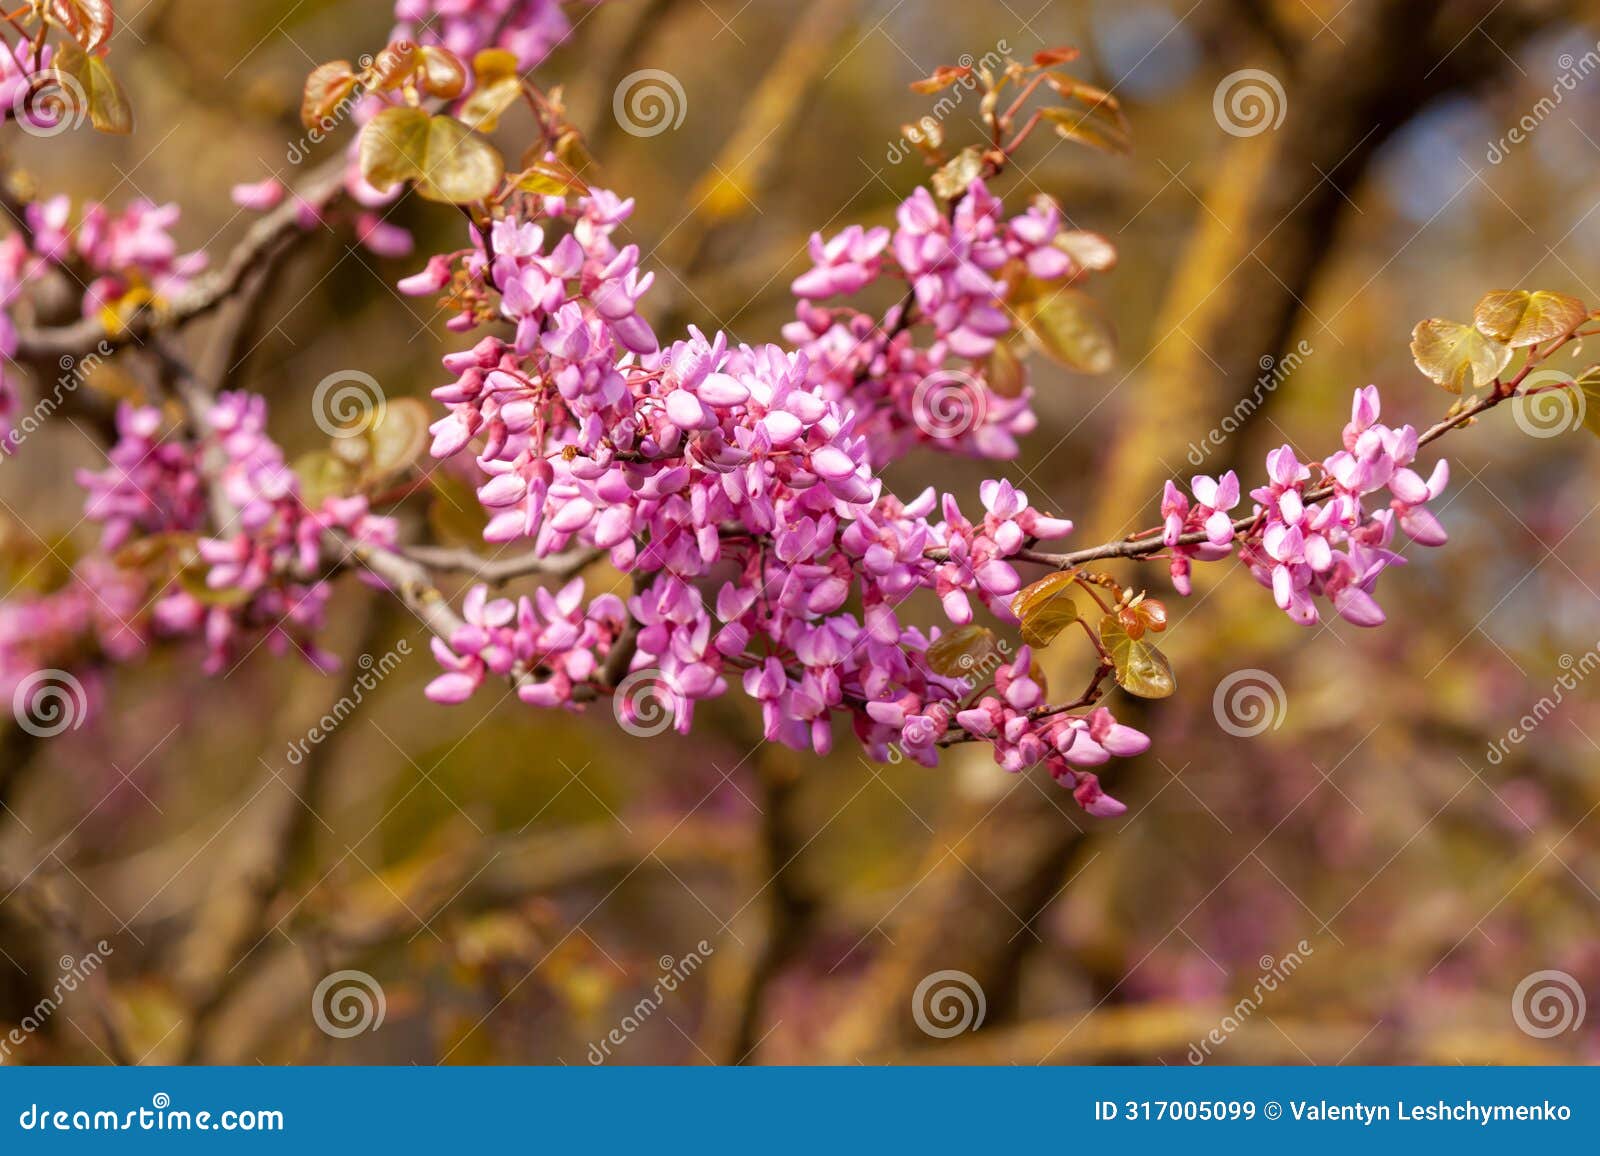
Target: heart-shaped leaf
x,y
956,653
1045,608
496,86
79,72
1588,387
441,71
446,159
1066,325
952,179
1458,356
89,22
1520,318
326,88
1141,669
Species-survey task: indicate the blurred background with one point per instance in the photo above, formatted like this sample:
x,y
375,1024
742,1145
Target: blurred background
x,y
1365,872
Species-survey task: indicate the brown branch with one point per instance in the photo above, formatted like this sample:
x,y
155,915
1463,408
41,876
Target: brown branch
x,y
206,292
496,570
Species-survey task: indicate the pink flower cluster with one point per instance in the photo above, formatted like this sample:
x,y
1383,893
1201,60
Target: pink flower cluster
x,y
529,29
552,632
126,252
960,268
1334,547
737,485
257,566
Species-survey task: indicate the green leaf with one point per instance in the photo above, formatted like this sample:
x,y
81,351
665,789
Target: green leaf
x,y
323,475
1092,117
953,178
1588,386
1066,325
394,147
497,85
1045,609
1521,318
455,515
445,158
78,72
549,179
1141,669
1457,356
1003,370
1087,250
956,653
398,438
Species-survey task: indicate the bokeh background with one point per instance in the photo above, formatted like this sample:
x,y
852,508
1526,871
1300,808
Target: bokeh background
x,y
516,882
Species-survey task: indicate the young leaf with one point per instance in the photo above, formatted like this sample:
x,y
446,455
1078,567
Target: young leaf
x,y
954,654
943,77
399,438
455,516
89,22
1045,609
443,156
323,475
1141,669
1050,57
443,75
90,75
461,166
1067,326
497,84
1588,387
1004,373
1457,356
1087,250
549,179
1521,318
394,147
957,174
394,66
326,88
1092,117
